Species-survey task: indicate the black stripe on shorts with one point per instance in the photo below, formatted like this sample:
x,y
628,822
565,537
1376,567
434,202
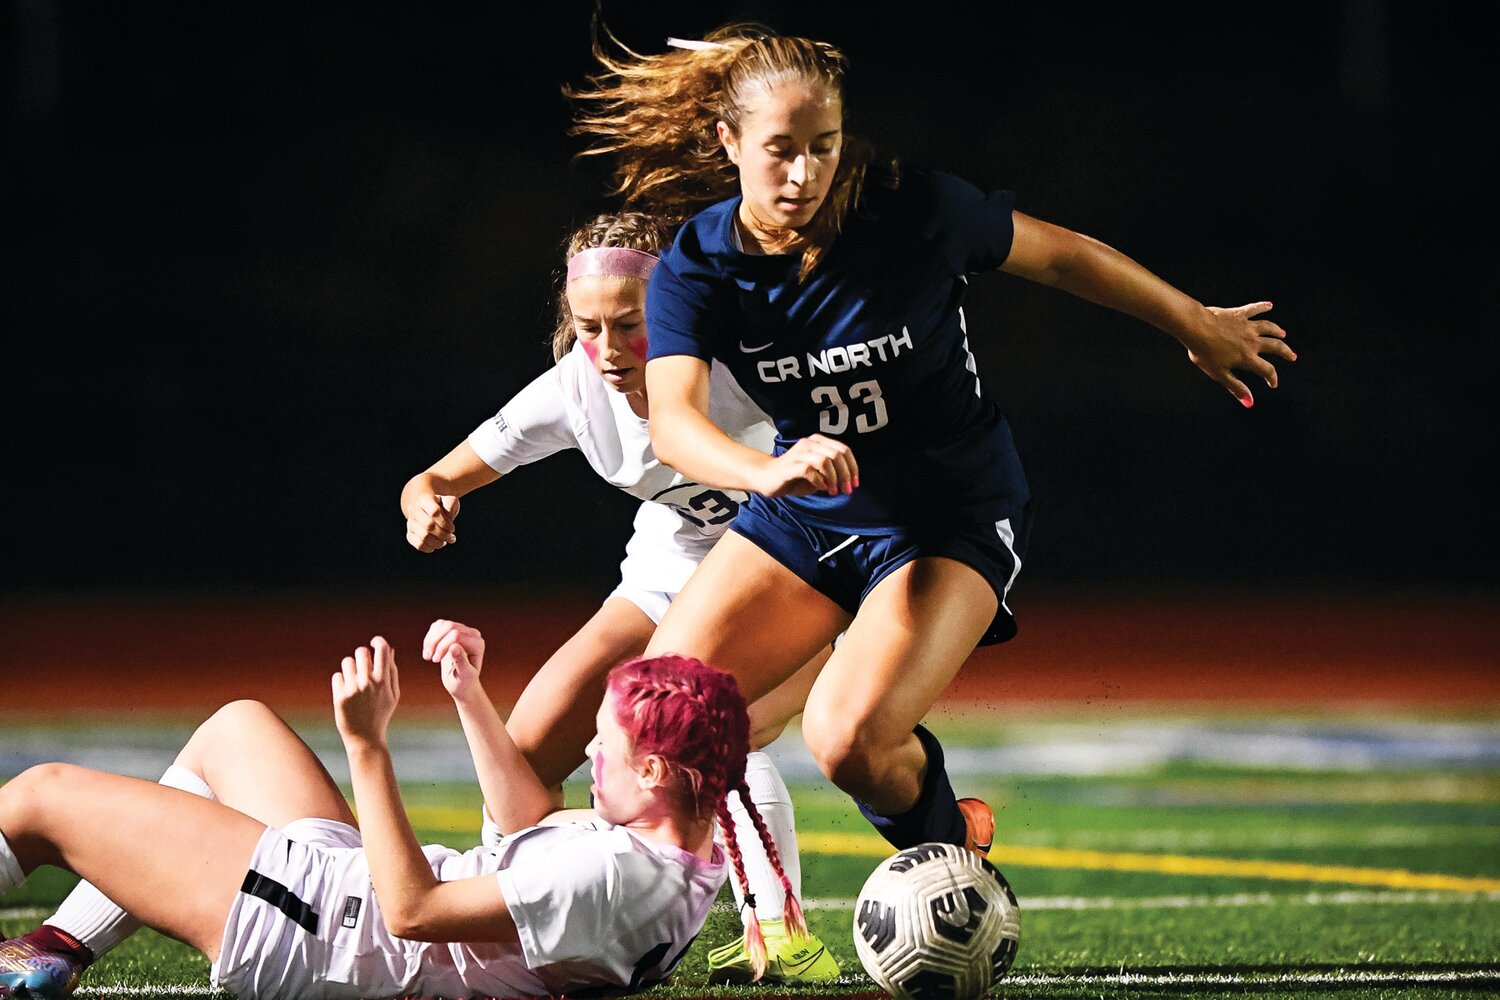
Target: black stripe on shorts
x,y
282,898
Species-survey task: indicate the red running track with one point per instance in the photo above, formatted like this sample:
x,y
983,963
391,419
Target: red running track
x,y
183,654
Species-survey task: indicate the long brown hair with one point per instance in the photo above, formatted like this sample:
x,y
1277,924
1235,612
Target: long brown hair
x,y
656,117
633,230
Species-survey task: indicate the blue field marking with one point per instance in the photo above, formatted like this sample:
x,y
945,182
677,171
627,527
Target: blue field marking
x,y
436,751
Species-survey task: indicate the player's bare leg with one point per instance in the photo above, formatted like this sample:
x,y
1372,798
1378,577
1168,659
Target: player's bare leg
x,y
553,719
748,614
172,858
245,757
770,714
912,634
253,762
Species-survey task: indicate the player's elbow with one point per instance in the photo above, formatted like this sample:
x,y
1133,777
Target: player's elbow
x,y
667,438
408,911
409,922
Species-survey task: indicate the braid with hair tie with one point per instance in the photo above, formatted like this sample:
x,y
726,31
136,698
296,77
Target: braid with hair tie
x,y
791,908
755,940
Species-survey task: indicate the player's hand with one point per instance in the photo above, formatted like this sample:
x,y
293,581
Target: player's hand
x,y
429,523
365,693
460,675
1236,340
815,464
443,635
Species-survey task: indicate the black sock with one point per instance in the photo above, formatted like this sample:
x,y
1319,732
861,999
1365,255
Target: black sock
x,y
934,816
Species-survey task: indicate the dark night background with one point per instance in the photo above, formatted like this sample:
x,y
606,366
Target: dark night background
x,y
266,265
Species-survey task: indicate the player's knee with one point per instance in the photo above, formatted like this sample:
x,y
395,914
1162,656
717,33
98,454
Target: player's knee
x,y
763,734
230,725
851,751
237,717
24,800
47,776
840,754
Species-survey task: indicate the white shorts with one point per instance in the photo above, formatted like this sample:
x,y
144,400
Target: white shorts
x,y
660,555
299,926
653,603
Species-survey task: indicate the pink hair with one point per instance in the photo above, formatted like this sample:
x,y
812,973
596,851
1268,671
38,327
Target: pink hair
x,y
693,716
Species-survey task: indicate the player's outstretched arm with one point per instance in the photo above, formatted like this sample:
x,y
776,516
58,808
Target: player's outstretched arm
x,y
429,501
1219,341
514,796
683,437
414,904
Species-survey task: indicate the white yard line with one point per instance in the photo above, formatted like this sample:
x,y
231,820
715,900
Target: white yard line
x,y
150,991
1234,901
1237,900
1122,978
1361,977
1126,978
25,912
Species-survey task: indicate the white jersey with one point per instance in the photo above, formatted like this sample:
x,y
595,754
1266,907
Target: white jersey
x,y
594,905
569,406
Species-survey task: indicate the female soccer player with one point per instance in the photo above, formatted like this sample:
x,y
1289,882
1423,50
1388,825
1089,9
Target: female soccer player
x,y
832,285
594,399
263,870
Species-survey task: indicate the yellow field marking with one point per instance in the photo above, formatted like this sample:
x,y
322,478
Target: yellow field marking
x,y
466,820
866,845
452,818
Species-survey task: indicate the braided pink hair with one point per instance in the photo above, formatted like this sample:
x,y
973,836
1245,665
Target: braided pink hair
x,y
693,717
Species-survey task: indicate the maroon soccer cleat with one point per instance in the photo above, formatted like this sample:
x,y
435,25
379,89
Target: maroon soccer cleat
x,y
28,972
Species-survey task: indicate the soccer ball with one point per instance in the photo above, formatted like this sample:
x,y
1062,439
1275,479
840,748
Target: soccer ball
x,y
936,921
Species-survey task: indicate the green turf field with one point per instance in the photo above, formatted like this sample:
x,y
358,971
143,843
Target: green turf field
x,y
1182,877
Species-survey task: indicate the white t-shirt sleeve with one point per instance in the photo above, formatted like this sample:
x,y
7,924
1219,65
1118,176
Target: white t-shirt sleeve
x,y
562,908
533,425
734,413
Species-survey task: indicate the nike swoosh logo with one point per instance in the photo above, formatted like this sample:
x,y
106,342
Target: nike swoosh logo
x,y
753,350
798,966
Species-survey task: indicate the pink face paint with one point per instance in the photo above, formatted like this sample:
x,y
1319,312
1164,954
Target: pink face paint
x,y
591,349
637,346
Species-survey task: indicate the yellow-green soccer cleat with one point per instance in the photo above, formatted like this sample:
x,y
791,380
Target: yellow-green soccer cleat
x,y
788,962
31,973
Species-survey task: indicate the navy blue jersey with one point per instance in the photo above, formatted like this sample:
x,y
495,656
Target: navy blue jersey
x,y
870,349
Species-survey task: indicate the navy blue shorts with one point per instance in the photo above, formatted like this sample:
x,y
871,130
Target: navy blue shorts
x,y
844,567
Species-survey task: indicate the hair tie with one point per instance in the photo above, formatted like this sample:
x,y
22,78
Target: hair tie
x,y
749,901
696,45
617,262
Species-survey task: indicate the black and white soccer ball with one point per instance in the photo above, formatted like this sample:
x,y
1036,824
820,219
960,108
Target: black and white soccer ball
x,y
936,922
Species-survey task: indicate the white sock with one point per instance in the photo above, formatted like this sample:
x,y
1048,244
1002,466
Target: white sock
x,y
11,874
774,803
92,917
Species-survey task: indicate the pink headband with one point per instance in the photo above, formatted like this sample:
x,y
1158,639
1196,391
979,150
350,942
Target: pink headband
x,y
618,262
